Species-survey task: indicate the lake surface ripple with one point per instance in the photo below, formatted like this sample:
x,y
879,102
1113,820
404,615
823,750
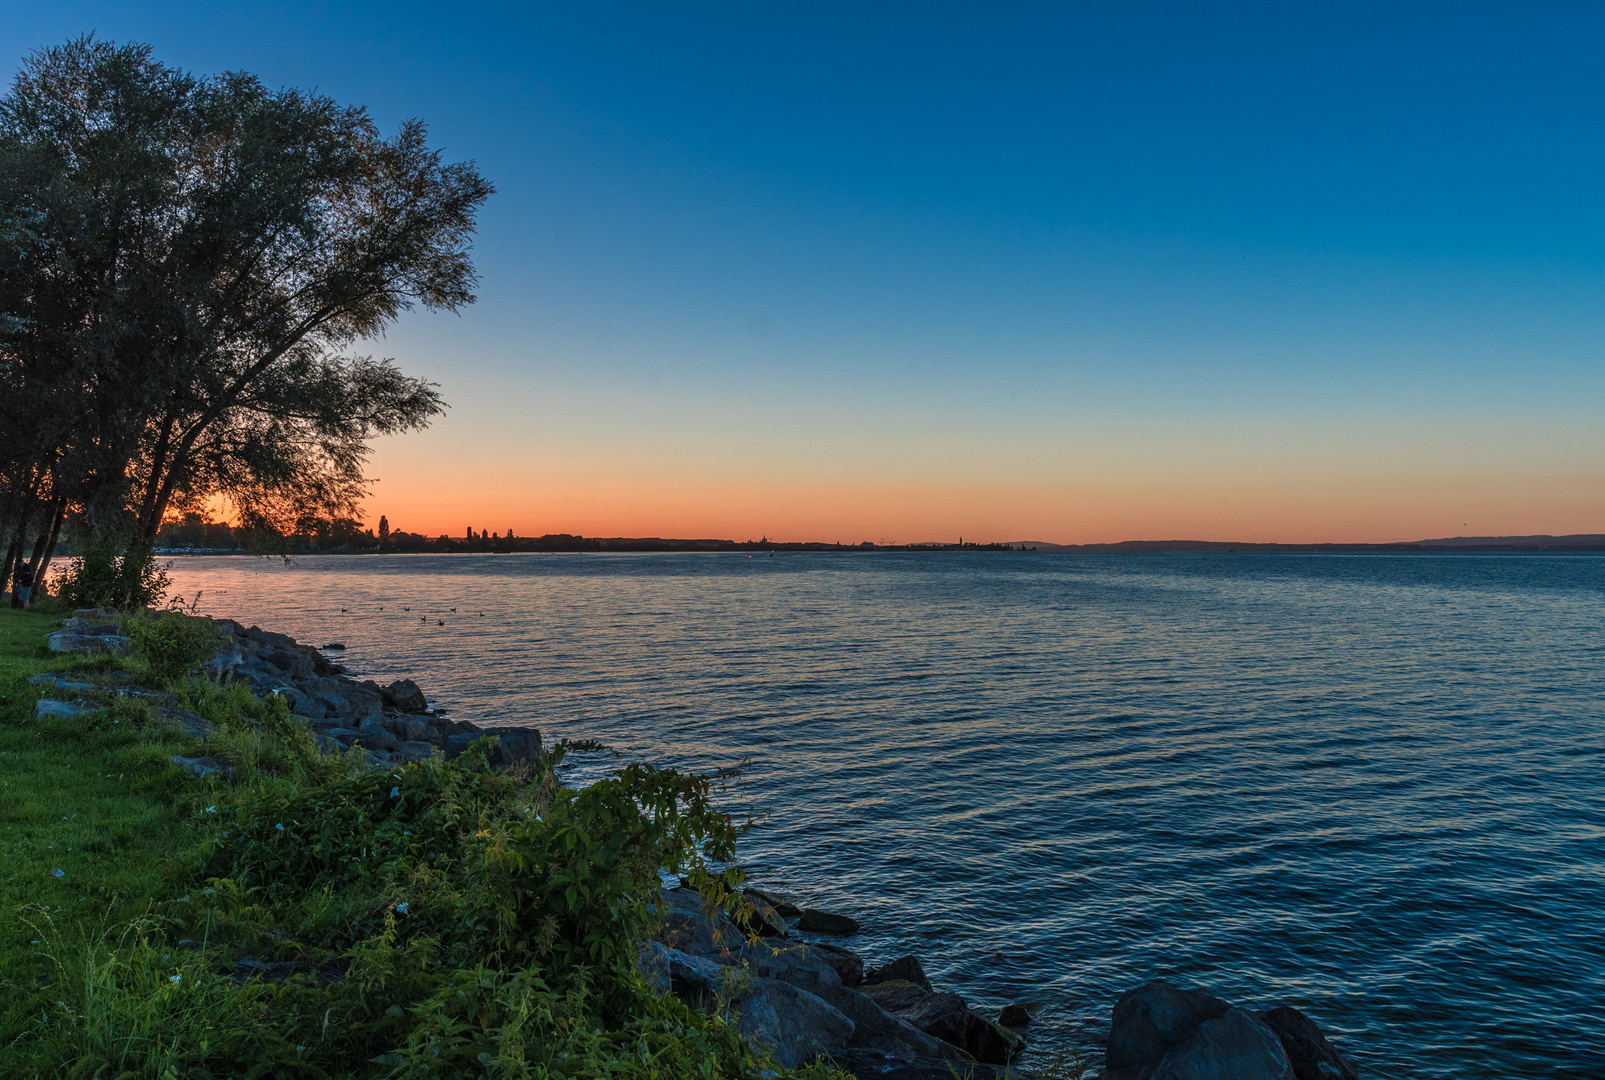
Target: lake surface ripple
x,y
1368,785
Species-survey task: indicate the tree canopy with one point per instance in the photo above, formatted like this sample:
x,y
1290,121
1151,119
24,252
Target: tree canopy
x,y
183,262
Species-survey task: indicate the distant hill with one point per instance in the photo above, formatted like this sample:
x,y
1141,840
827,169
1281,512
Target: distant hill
x,y
1575,542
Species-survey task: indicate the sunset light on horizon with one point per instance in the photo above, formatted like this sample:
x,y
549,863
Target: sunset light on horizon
x,y
911,273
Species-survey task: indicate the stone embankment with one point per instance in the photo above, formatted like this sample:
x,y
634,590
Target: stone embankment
x,y
390,723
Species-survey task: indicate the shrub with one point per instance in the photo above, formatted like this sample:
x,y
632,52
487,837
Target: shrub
x,y
173,644
104,577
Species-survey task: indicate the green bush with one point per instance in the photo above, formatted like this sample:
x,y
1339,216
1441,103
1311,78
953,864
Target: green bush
x,y
104,576
174,645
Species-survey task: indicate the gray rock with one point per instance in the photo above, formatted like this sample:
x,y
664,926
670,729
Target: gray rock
x,y
991,1043
867,1064
943,1016
824,922
772,901
1155,1018
203,766
1232,1046
516,746
96,627
790,962
196,727
50,707
457,743
878,1030
699,980
904,968
414,750
796,1027
762,920
691,929
408,728
404,694
653,963
372,735
849,965
67,641
895,995
58,682
1312,1057
1014,1015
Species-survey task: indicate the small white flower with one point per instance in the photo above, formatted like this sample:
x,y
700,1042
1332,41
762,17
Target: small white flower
x,y
58,872
401,908
279,826
176,979
211,809
394,792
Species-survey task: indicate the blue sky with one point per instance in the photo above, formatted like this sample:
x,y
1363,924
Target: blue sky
x,y
1068,272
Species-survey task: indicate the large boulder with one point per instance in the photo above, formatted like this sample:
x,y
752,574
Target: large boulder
x,y
875,1065
1152,1020
692,928
825,922
1232,1046
1312,1057
904,969
882,1032
50,707
65,641
516,746
196,727
848,964
372,735
796,1027
770,901
405,695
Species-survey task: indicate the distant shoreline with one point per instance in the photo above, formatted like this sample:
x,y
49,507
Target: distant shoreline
x,y
566,543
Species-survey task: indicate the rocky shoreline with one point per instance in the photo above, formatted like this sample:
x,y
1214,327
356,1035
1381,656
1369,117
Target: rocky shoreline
x,y
801,999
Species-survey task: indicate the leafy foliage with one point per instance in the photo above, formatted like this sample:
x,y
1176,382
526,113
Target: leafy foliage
x,y
112,577
173,644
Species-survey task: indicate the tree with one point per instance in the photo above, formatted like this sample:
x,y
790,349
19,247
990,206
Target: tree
x,y
193,256
384,530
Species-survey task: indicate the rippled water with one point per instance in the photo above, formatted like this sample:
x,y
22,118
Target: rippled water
x,y
1368,785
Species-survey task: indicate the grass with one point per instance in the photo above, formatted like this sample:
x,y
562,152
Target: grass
x,y
310,916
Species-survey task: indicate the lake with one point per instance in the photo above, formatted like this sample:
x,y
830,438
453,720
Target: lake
x,y
1370,786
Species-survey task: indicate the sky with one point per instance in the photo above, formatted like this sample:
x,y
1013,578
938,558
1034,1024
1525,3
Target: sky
x,y
911,272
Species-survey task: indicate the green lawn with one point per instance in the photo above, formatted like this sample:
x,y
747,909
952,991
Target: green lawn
x,y
92,816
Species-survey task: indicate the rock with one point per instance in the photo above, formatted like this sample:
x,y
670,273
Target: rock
x,y
457,743
1232,1046
50,707
653,964
989,1042
903,969
762,921
1150,1021
849,965
874,1065
1309,1053
203,766
894,995
407,728
943,1016
516,746
97,613
58,682
824,922
880,1031
296,661
699,980
67,641
90,627
1014,1015
689,928
405,695
372,735
779,905
414,750
196,727
335,645
793,963
462,727
796,1027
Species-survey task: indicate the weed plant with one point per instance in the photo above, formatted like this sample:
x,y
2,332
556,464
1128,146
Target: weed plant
x,y
308,916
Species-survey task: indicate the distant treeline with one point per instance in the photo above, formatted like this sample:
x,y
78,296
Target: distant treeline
x,y
194,533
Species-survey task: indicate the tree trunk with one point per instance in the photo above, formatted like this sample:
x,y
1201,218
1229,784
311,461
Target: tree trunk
x,y
46,543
